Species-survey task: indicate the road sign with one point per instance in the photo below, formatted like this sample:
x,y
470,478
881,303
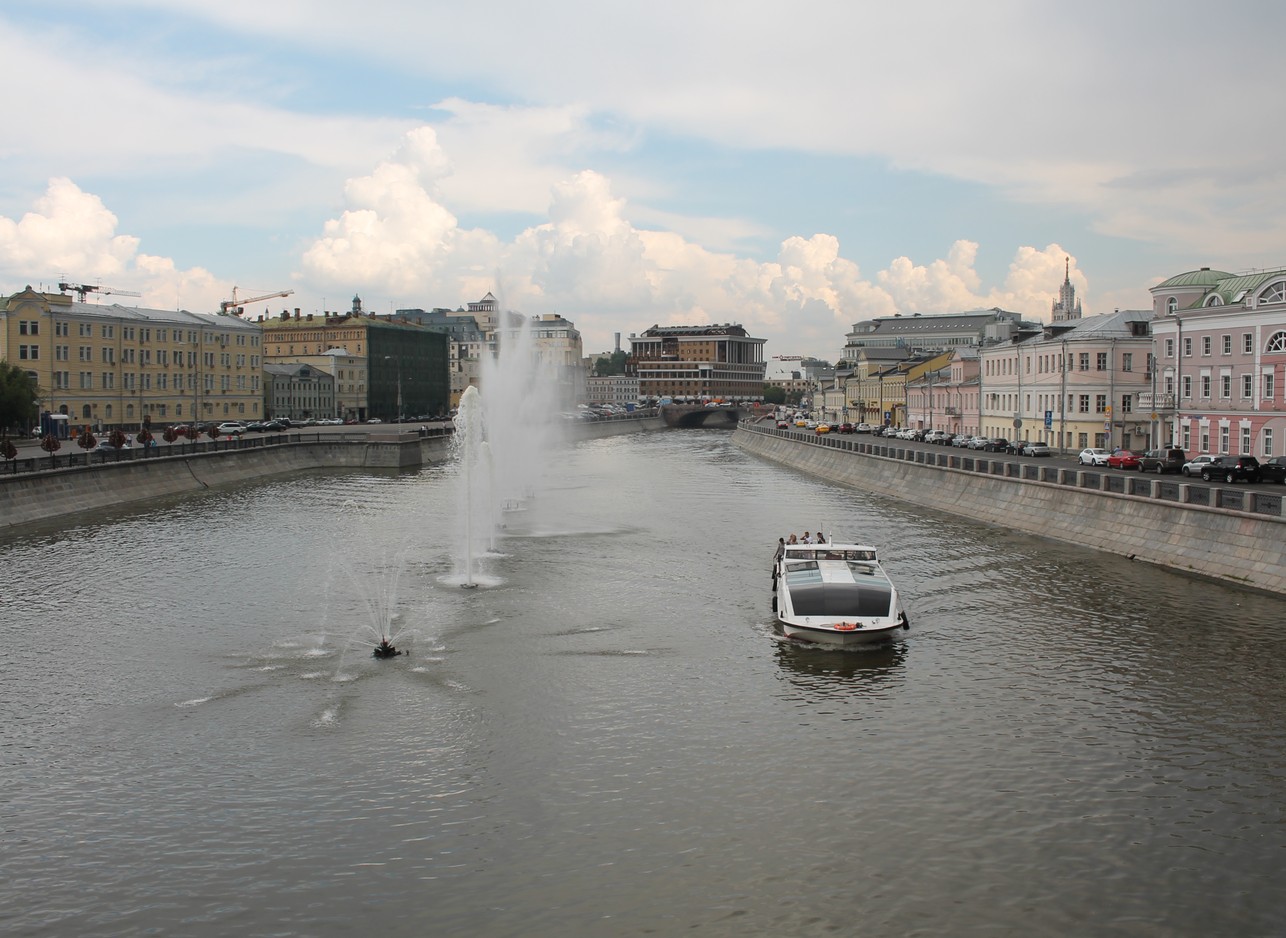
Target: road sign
x,y
1018,423
1049,419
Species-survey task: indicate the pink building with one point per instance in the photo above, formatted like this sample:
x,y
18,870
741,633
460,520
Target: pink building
x,y
1220,346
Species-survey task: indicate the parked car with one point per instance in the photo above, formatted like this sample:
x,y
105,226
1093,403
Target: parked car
x,y
1194,465
1162,460
274,426
1273,470
996,444
375,420
1231,469
1123,459
107,449
862,428
1093,456
230,428
1035,449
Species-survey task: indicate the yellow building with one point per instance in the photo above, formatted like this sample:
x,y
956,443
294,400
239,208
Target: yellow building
x,y
109,366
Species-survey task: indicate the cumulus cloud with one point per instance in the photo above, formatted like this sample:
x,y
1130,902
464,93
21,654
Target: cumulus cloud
x,y
70,233
592,264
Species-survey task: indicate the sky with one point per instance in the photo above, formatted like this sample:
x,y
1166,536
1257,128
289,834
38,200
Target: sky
x,y
792,167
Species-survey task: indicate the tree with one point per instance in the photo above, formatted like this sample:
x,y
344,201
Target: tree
x,y
774,394
18,395
607,365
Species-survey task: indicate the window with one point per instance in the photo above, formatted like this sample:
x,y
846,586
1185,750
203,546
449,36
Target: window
x,y
1245,440
1224,436
1247,386
1247,343
1205,387
1172,306
1100,363
1227,344
1206,345
1187,347
1085,361
29,352
1225,386
1275,293
1127,404
1277,343
1269,381
1084,405
1100,403
1169,348
1127,361
1268,441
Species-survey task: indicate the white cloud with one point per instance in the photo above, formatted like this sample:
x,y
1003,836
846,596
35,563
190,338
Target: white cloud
x,y
72,234
593,265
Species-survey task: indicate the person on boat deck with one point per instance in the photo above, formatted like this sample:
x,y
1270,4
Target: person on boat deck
x,y
808,538
793,540
821,538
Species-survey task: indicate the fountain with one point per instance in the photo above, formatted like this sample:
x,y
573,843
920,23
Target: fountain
x,y
504,431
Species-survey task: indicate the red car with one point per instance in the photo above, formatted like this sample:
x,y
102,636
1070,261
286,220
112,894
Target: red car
x,y
1122,459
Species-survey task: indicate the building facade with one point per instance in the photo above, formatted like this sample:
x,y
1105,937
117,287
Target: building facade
x,y
406,374
298,391
114,366
689,363
612,389
1221,362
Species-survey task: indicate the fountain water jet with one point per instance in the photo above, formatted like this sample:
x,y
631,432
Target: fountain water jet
x,y
504,435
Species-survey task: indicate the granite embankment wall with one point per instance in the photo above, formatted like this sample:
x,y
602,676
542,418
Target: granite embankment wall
x,y
1149,519
32,497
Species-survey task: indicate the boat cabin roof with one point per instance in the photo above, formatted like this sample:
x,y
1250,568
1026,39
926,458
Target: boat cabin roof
x,y
829,552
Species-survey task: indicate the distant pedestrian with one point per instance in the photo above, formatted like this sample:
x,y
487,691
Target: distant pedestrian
x,y
821,538
793,540
808,538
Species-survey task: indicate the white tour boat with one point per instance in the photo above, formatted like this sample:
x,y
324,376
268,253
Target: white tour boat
x,y
835,594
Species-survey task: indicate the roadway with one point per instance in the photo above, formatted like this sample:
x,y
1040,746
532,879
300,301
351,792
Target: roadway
x,y
1057,459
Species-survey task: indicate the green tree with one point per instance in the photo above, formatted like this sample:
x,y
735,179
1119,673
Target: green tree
x,y
18,395
607,365
774,395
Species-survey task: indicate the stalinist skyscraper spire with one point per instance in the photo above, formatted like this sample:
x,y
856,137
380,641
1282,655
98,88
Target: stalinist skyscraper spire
x,y
1066,306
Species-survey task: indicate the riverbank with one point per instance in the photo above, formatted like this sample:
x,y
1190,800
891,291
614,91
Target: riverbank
x,y
1163,524
41,496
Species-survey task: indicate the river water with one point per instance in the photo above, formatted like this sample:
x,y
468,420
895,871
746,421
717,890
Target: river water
x,y
609,738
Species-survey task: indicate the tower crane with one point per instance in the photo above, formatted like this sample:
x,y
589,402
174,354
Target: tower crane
x,y
234,305
789,358
83,288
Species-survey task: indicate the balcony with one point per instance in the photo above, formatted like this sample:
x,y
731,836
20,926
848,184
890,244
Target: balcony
x,y
951,411
1150,400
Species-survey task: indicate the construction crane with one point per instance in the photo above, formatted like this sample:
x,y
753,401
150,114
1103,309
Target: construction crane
x,y
788,358
83,288
234,304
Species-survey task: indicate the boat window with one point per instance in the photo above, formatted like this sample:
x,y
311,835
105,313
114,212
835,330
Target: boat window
x,y
806,572
862,569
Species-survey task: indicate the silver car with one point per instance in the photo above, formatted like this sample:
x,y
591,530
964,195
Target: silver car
x,y
1196,464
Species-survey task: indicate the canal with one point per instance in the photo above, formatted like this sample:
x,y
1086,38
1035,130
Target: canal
x,y
607,736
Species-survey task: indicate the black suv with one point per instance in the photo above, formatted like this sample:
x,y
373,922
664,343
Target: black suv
x,y
1162,460
1274,470
1231,469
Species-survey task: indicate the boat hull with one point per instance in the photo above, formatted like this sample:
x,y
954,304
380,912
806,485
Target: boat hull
x,y
872,635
